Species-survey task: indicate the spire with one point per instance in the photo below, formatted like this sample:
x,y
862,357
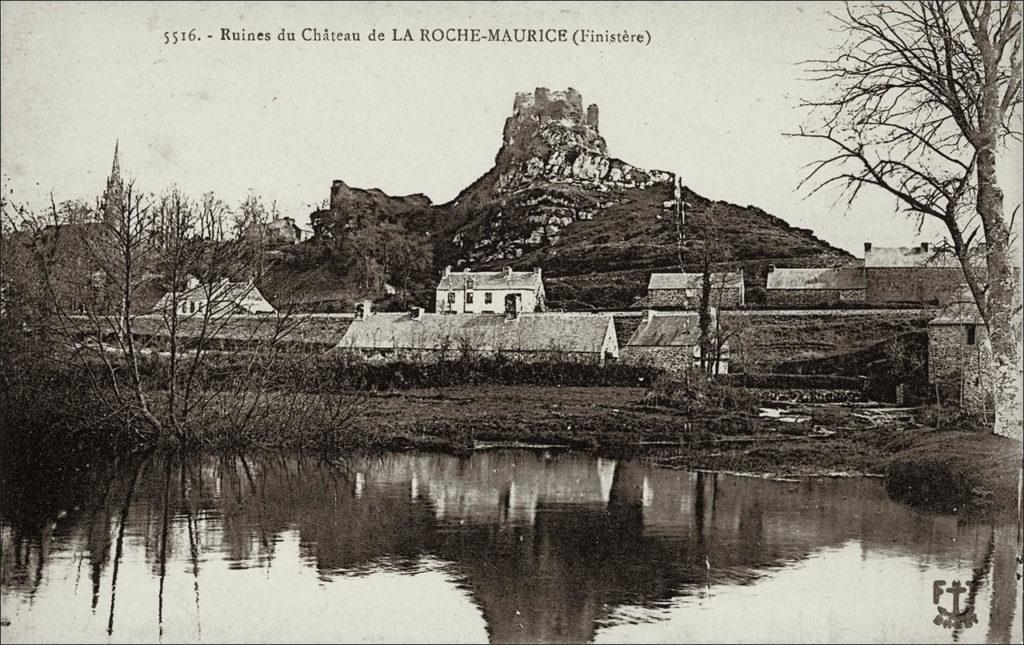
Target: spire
x,y
113,196
115,171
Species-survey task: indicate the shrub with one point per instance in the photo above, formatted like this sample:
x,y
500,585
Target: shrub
x,y
696,393
469,369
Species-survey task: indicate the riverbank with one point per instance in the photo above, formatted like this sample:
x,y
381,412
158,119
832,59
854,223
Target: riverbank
x,y
948,469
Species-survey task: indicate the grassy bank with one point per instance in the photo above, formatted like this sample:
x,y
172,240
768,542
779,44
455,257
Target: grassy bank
x,y
948,469
928,459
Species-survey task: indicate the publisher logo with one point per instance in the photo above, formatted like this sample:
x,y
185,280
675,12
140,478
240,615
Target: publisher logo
x,y
953,618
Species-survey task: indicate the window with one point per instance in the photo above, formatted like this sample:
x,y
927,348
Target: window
x,y
451,297
487,297
469,297
972,334
191,307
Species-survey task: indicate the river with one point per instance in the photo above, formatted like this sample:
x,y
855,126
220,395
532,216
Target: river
x,y
502,545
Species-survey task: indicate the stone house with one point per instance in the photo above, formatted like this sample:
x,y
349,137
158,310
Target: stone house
x,y
426,337
683,290
911,275
816,287
960,357
284,230
476,292
671,341
220,298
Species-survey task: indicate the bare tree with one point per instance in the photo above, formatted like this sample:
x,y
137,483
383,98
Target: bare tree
x,y
251,220
925,96
152,368
706,341
213,217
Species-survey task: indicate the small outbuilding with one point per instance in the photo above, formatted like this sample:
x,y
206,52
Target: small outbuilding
x,y
284,230
960,357
683,290
671,341
815,287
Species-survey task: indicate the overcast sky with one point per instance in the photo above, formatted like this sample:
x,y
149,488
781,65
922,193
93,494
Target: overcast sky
x,y
709,98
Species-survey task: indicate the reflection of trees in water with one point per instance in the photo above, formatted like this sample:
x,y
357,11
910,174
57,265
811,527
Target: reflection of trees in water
x,y
548,545
1005,586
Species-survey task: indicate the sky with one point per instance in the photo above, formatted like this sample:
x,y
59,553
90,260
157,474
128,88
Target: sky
x,y
710,98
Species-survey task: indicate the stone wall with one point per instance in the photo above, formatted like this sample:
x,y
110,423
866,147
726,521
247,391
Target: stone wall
x,y
674,360
430,357
813,297
962,371
920,285
690,298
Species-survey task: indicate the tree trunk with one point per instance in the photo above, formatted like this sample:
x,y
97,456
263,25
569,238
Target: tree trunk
x,y
997,309
704,315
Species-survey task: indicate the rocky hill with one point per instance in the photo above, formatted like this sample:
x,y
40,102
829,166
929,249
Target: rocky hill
x,y
597,225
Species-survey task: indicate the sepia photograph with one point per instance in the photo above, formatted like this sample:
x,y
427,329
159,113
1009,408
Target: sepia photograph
x,y
511,322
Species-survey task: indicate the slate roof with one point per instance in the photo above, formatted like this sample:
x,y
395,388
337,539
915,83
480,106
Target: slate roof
x,y
817,278
667,330
693,281
492,280
529,332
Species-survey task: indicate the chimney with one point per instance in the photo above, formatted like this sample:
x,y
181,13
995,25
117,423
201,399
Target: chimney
x,y
447,271
364,309
924,247
771,268
507,272
536,272
867,246
416,313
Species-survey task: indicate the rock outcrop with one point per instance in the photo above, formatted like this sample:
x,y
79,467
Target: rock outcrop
x,y
354,207
552,170
549,136
597,225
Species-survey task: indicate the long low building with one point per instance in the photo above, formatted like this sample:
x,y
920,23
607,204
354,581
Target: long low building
x,y
684,290
222,298
531,336
821,286
913,275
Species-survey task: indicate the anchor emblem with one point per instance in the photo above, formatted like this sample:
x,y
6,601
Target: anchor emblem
x,y
955,617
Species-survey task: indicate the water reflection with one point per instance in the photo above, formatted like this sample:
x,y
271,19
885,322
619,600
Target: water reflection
x,y
500,546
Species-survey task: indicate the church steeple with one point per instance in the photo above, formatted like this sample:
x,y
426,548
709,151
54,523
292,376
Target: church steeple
x,y
115,171
113,196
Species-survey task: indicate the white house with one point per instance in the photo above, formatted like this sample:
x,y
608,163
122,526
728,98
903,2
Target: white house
x,y
220,298
479,292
